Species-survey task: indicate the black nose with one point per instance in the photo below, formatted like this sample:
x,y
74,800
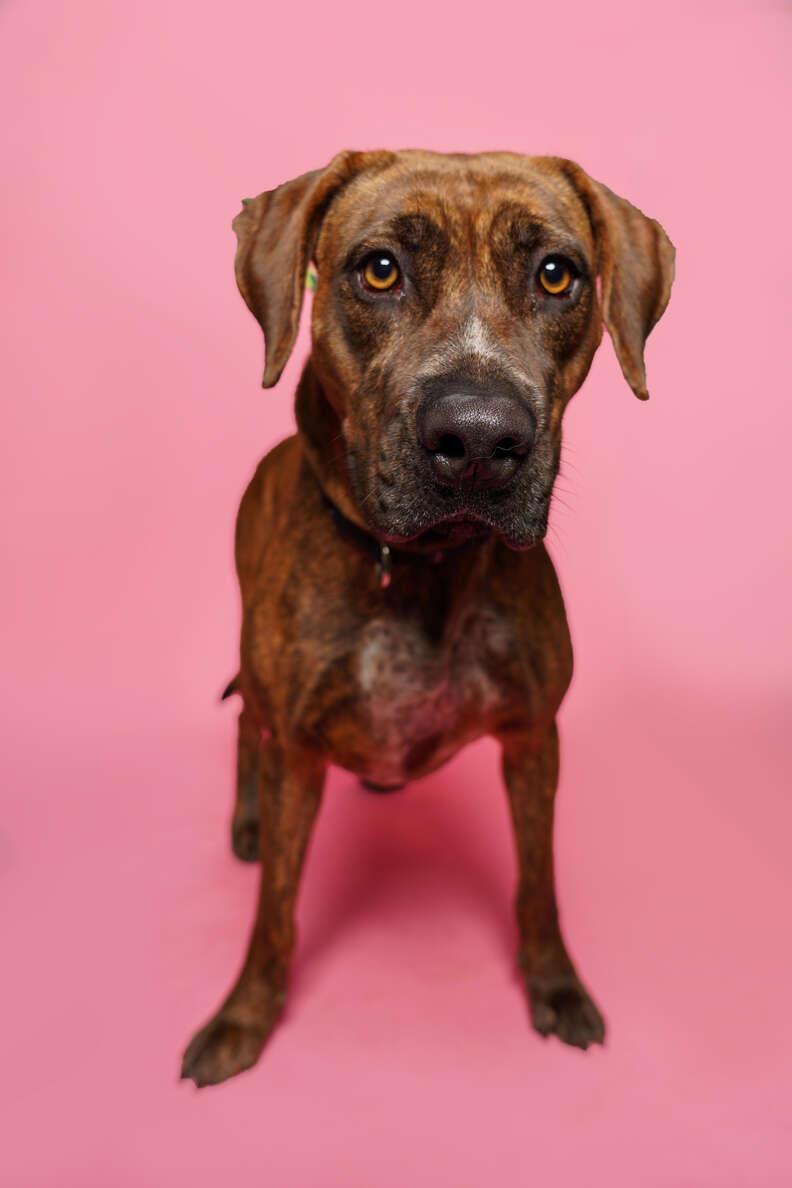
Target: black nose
x,y
474,438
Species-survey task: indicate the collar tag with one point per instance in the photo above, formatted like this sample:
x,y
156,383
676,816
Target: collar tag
x,y
384,567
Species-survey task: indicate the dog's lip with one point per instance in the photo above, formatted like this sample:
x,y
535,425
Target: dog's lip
x,y
456,529
461,528
453,529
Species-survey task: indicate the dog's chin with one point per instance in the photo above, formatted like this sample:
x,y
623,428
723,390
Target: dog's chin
x,y
461,529
433,518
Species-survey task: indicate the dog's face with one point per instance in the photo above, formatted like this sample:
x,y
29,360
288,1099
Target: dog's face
x,y
456,313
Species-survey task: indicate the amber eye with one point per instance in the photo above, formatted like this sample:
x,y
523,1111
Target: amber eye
x,y
555,275
381,272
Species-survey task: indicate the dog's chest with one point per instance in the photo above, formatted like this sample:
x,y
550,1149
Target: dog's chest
x,y
419,700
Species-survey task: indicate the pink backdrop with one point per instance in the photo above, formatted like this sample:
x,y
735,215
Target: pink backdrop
x,y
133,420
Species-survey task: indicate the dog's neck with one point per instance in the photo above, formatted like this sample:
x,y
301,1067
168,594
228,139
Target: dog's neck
x,y
323,443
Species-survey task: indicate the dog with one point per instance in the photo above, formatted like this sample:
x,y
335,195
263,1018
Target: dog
x,y
398,602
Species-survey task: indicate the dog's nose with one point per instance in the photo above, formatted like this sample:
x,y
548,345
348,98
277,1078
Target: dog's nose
x,y
476,439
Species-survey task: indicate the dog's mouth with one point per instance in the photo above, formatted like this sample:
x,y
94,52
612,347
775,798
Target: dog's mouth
x,y
459,529
448,530
405,511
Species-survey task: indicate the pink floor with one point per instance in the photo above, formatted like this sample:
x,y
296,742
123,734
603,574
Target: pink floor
x,y
133,419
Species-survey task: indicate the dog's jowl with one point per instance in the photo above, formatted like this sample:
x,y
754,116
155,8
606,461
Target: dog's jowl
x,y
398,601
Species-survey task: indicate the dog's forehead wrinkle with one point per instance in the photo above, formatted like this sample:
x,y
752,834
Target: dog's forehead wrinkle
x,y
464,208
414,227
450,186
407,224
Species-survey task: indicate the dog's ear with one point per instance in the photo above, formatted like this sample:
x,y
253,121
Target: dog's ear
x,y
276,237
635,260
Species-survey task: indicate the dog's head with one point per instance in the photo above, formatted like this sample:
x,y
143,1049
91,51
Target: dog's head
x,y
456,312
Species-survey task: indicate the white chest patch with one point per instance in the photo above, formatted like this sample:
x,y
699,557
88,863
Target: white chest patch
x,y
413,693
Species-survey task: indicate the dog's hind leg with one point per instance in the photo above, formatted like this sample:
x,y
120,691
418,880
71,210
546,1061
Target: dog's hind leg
x,y
245,820
560,1004
290,789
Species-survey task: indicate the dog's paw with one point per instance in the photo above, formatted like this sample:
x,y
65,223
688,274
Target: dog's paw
x,y
245,839
560,1006
222,1049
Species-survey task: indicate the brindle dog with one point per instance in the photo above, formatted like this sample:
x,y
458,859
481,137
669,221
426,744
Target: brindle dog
x,y
397,599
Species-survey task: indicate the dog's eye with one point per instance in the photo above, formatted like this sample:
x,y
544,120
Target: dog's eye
x,y
555,275
380,272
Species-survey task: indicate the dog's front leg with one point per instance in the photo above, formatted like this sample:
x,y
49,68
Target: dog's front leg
x,y
559,1003
290,789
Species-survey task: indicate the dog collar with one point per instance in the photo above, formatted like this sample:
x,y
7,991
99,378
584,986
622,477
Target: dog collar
x,y
383,556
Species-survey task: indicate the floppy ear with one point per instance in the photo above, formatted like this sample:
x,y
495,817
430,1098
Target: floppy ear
x,y
276,237
636,266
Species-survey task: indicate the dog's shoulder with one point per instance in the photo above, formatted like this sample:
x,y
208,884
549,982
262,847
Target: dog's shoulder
x,y
526,595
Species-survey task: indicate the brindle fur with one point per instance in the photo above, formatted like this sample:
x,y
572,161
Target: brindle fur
x,y
390,683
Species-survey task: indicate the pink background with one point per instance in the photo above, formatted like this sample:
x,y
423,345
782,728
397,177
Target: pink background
x,y
133,420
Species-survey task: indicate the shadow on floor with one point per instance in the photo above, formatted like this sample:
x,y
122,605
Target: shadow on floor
x,y
433,854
